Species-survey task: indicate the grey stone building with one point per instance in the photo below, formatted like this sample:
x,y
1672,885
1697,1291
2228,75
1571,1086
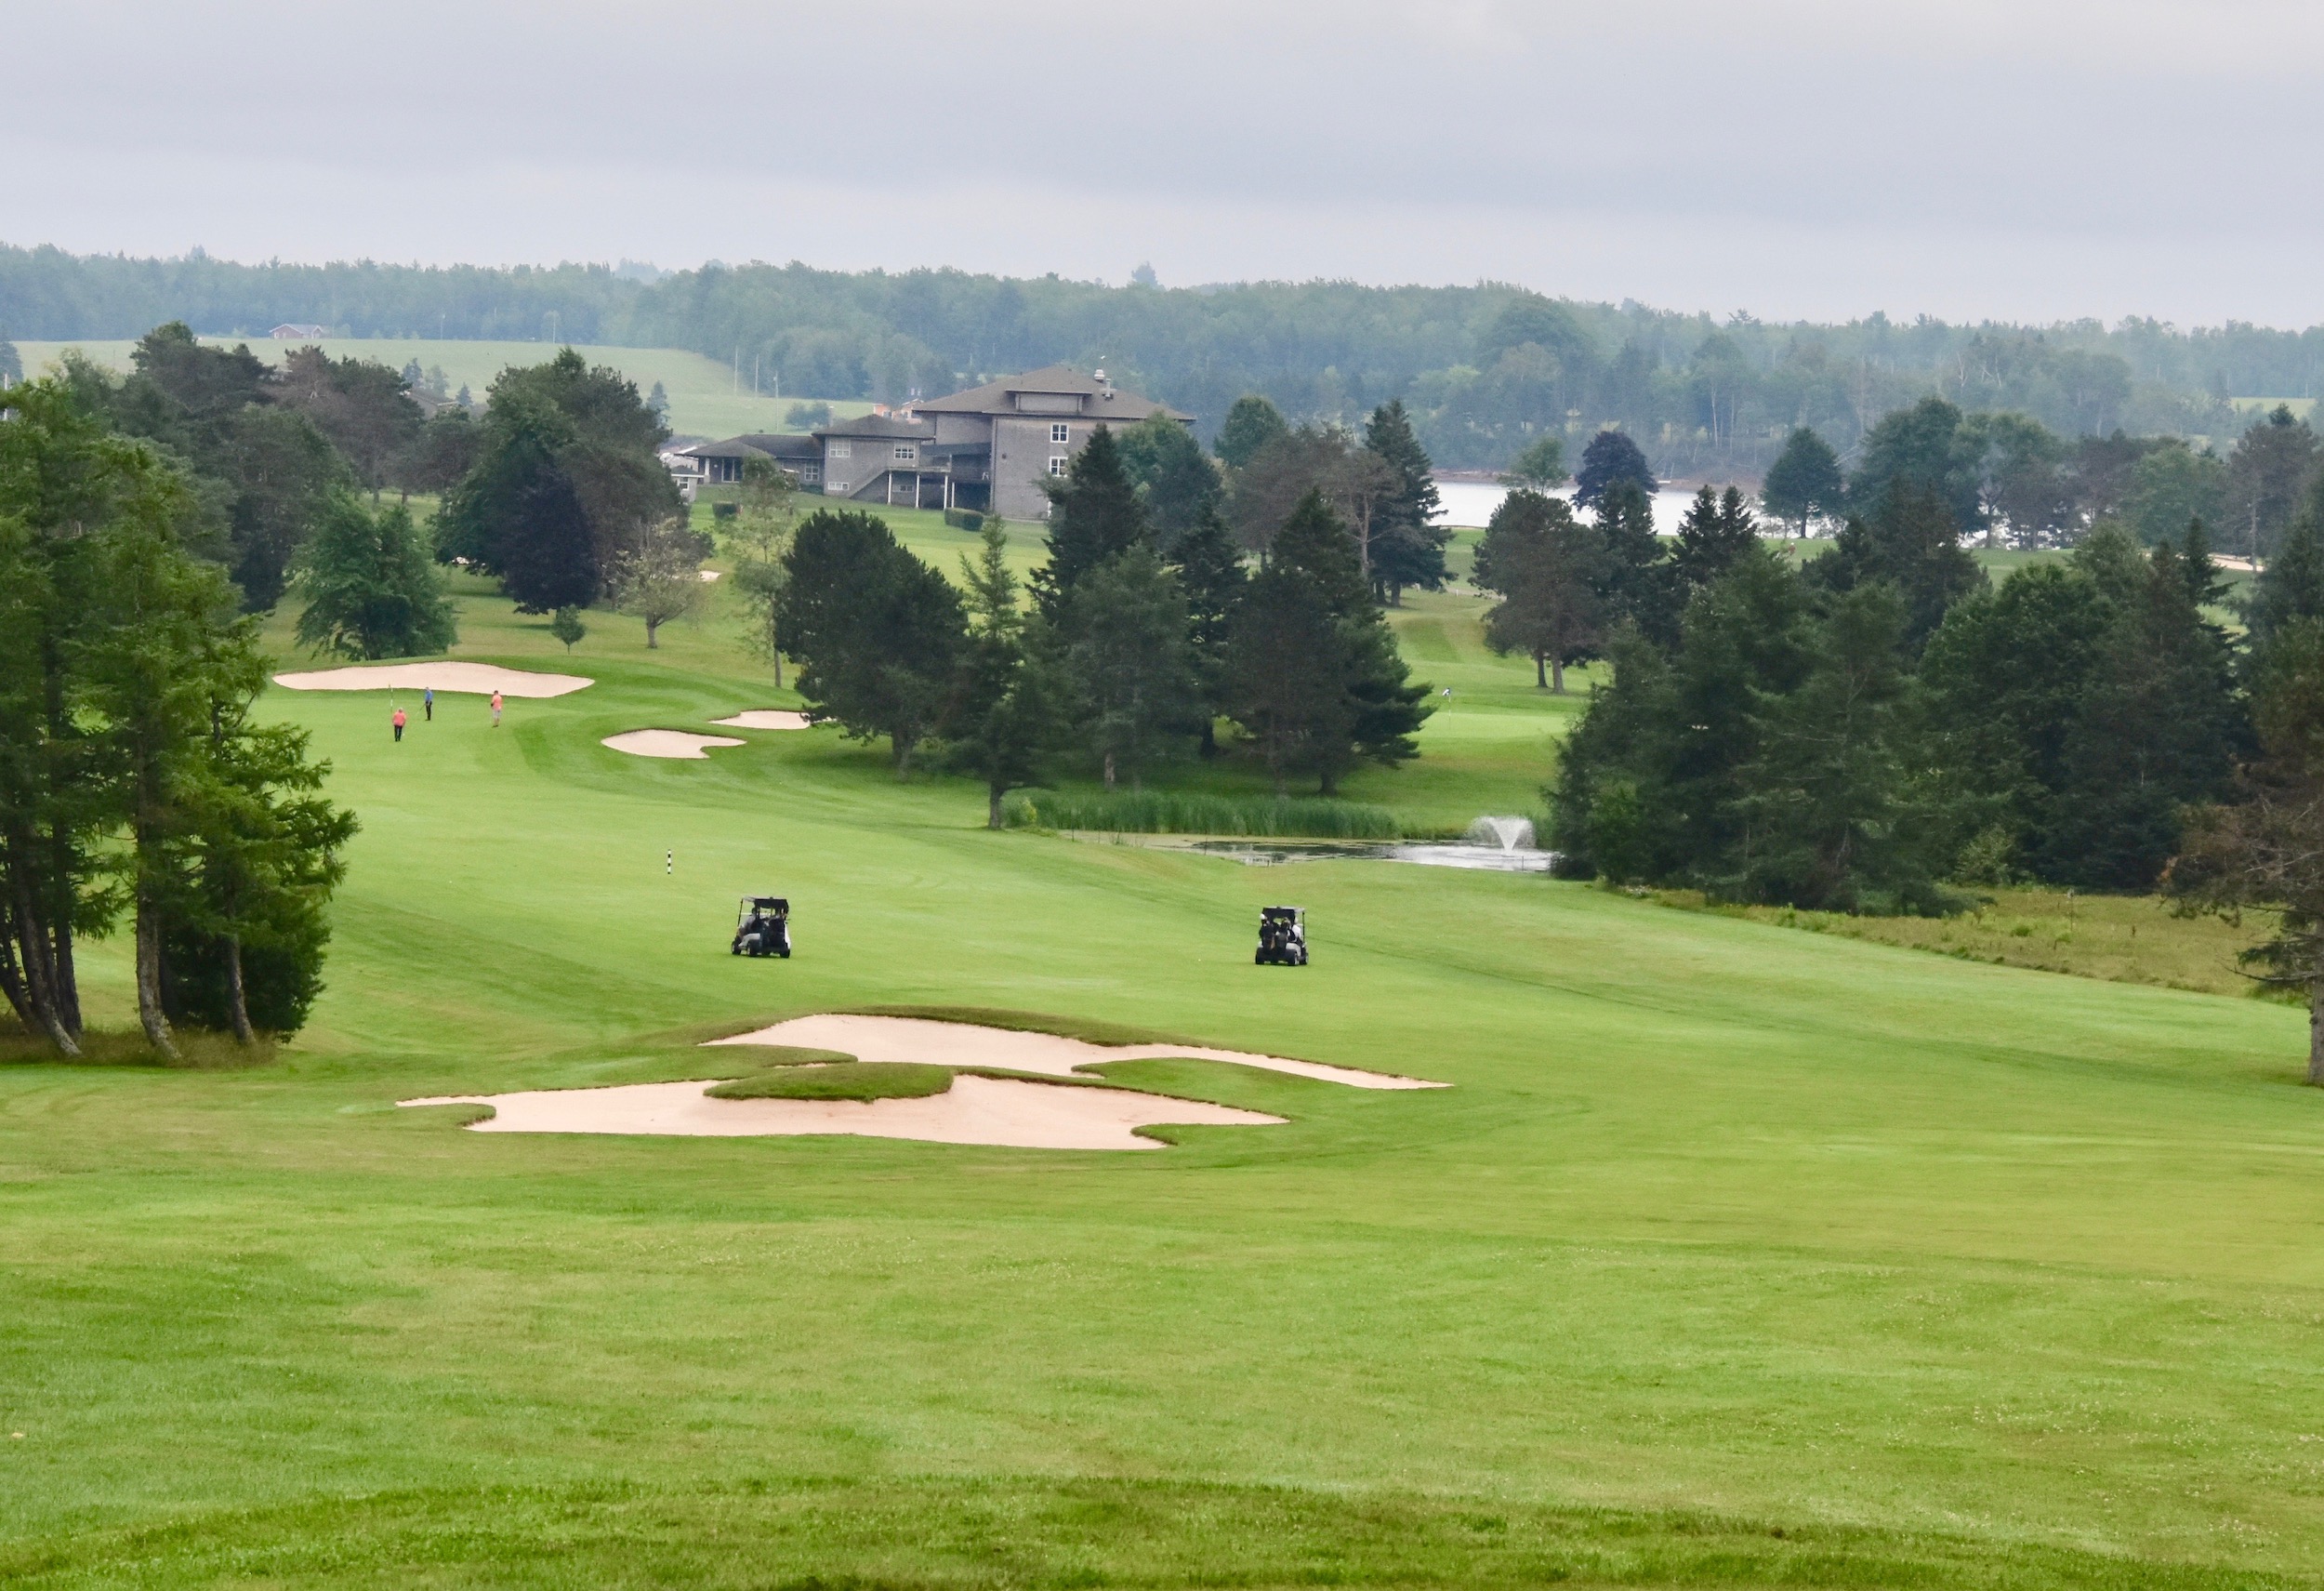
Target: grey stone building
x,y
987,448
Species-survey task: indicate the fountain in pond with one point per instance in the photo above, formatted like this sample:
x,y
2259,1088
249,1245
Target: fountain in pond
x,y
1509,833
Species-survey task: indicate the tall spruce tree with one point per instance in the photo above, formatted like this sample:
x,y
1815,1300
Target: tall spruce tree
x,y
1131,664
1715,533
1641,582
371,589
1407,545
1550,572
1209,568
1611,457
1094,516
1004,715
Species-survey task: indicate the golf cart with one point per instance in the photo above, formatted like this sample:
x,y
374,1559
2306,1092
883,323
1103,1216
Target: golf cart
x,y
763,927
1282,935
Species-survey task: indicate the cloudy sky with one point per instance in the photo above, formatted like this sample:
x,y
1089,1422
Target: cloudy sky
x,y
2019,159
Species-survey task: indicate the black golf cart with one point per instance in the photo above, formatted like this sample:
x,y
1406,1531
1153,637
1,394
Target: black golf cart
x,y
1282,935
763,927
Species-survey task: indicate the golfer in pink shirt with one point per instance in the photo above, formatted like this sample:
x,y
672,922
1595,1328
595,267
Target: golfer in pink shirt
x,y
495,709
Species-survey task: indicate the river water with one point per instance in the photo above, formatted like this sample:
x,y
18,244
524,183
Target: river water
x,y
1470,503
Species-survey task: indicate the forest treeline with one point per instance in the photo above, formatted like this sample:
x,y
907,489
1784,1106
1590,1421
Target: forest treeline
x,y
1481,369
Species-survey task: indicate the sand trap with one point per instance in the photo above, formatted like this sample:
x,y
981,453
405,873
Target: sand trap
x,y
961,1044
707,575
757,718
974,1110
667,743
478,679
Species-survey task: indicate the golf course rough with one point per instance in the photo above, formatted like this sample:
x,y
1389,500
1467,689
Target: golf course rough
x,y
1955,1275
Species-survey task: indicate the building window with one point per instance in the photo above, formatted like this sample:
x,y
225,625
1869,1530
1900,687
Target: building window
x,y
838,487
1061,434
907,453
839,450
807,474
1057,464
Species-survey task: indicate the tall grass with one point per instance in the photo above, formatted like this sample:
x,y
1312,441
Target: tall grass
x,y
1159,811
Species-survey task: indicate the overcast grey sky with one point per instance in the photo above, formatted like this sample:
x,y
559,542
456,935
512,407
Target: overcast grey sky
x,y
1968,158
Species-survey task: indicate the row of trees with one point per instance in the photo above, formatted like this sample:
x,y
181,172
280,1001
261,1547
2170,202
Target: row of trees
x,y
2004,476
134,781
1483,368
1858,731
1137,639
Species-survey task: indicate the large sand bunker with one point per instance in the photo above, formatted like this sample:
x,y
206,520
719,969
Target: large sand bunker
x,y
998,1111
961,1044
477,678
765,718
667,743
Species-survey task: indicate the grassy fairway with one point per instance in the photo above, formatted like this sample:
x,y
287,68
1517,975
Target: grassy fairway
x,y
1737,1254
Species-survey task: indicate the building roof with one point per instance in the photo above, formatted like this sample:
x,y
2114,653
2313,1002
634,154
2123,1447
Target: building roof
x,y
757,445
879,425
1101,400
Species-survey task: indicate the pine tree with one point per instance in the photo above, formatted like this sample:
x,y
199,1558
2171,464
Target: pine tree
x,y
1004,715
1805,483
1209,567
1713,535
1131,664
371,588
1408,544
1611,457
2290,587
1175,479
1641,584
1094,516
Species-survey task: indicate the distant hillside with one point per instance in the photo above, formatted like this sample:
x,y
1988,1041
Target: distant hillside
x,y
1484,367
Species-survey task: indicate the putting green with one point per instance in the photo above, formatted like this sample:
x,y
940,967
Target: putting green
x,y
1950,1274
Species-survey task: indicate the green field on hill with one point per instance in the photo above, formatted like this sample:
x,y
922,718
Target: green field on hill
x,y
1736,1254
706,397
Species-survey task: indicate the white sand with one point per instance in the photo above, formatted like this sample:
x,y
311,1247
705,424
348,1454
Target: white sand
x,y
667,743
707,575
477,678
960,1044
761,718
974,1110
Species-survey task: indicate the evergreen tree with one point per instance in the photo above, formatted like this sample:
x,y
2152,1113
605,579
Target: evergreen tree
x,y
1175,479
877,632
1611,457
1827,808
1130,663
1713,535
1641,584
1926,452
1805,483
1913,542
657,404
1251,424
1550,572
1094,516
2264,847
2158,729
2291,585
1406,544
1004,715
1330,704
1209,569
11,363
371,588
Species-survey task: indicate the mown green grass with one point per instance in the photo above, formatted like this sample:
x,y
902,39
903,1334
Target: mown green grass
x,y
1954,1274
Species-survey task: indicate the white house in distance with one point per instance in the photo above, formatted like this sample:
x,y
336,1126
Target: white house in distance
x,y
986,449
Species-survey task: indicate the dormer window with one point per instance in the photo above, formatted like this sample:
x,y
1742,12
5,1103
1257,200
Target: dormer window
x,y
1061,434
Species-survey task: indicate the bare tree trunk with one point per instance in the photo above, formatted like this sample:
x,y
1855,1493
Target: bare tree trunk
x,y
11,977
992,805
1541,670
65,983
778,668
237,999
150,1014
903,756
2316,1032
651,627
1557,676
1109,772
39,987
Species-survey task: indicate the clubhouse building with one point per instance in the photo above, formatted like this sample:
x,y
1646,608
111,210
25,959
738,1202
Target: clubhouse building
x,y
987,448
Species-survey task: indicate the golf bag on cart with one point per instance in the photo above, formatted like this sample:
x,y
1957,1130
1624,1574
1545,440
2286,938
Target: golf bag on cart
x,y
1282,936
763,927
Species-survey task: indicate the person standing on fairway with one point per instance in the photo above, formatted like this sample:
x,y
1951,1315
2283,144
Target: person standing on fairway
x,y
495,709
398,722
427,704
